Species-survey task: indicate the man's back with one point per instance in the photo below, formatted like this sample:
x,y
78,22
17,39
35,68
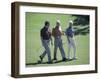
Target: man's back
x,y
56,32
45,33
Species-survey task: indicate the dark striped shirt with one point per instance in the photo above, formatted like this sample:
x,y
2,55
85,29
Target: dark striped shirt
x,y
45,33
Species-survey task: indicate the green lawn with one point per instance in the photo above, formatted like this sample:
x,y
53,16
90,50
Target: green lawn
x,y
33,46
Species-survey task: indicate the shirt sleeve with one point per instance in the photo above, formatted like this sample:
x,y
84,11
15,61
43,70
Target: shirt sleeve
x,y
66,32
41,33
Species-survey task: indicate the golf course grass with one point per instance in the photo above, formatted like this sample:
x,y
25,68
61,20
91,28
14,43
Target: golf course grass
x,y
34,48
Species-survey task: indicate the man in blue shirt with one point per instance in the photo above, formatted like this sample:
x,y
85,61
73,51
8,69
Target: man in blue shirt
x,y
70,37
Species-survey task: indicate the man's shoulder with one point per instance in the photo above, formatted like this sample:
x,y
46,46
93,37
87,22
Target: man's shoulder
x,y
43,28
67,29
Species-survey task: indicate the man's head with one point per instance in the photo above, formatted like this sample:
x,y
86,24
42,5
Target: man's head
x,y
47,24
58,23
71,23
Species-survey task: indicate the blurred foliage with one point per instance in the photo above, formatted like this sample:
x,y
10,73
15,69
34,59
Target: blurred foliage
x,y
81,31
81,23
81,20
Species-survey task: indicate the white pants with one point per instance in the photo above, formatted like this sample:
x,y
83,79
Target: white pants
x,y
71,44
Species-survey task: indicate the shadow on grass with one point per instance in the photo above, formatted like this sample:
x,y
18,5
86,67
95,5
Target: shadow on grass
x,y
37,63
58,61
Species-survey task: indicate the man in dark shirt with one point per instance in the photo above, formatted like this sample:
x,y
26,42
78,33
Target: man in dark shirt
x,y
70,37
45,35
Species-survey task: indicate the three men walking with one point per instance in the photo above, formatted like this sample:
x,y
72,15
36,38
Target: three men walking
x,y
46,33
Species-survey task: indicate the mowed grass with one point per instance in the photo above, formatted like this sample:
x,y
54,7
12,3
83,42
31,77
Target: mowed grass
x,y
34,48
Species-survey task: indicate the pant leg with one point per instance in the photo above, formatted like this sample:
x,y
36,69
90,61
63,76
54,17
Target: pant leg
x,y
47,49
74,47
61,48
55,49
69,47
44,53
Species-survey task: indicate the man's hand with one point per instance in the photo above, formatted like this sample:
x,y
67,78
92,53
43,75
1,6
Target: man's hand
x,y
51,43
63,32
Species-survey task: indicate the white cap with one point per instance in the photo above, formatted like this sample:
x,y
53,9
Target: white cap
x,y
58,21
71,22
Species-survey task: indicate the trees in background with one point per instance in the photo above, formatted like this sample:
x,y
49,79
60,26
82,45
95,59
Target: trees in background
x,y
81,23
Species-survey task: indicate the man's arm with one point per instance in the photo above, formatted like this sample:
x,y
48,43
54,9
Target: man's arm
x,y
73,32
41,36
68,39
51,39
50,36
53,34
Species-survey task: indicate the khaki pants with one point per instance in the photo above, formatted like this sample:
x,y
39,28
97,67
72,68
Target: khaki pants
x,y
71,44
58,44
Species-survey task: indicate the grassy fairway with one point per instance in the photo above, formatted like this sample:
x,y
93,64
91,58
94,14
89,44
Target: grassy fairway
x,y
33,46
